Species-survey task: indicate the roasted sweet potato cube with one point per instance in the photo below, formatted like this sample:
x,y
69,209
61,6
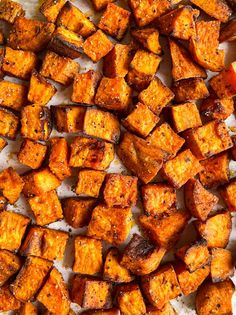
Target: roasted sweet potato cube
x,y
110,224
68,118
97,46
141,120
9,265
32,153
50,9
215,171
158,198
7,300
215,297
141,257
8,124
222,265
113,94
88,255
78,211
159,138
75,20
91,153
156,96
198,200
11,184
143,68
216,230
228,33
139,157
84,87
55,295
113,270
46,208
190,281
147,11
90,182
149,38
30,34
179,22
209,139
190,89
228,194
114,21
215,108
166,310
30,278
91,292
111,311
165,230
58,68
157,293
40,89
204,45
44,243
13,95
120,190
28,309
100,124
183,67
10,10
195,255
100,4
36,122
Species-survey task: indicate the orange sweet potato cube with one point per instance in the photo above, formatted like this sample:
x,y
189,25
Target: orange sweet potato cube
x,y
90,182
222,264
11,184
100,4
149,38
190,89
10,10
166,310
32,153
228,194
9,124
13,95
50,9
8,302
10,264
28,309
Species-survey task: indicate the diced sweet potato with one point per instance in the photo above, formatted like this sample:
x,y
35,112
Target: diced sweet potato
x,y
149,38
110,224
111,311
91,153
228,194
166,310
100,4
51,8
10,10
222,265
7,300
78,211
215,108
190,89
13,95
46,208
9,265
158,198
90,182
228,33
216,230
11,184
32,153
88,255
8,124
102,125
28,309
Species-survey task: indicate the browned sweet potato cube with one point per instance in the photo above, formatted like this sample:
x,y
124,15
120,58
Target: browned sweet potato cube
x,y
100,4
7,300
166,310
3,143
195,255
97,46
75,20
44,243
28,309
158,198
46,208
222,265
139,157
77,211
114,21
9,265
113,270
40,89
110,224
30,34
120,190
147,11
183,67
228,194
143,68
58,68
156,96
215,108
215,297
179,22
11,184
91,153
88,255
8,124
209,139
198,200
215,171
91,292
50,9
84,87
55,295
216,230
204,45
32,153
165,230
141,257
36,122
13,95
190,89
157,293
30,278
111,311
141,120
100,124
228,33
68,118
10,10
149,38
113,94
90,182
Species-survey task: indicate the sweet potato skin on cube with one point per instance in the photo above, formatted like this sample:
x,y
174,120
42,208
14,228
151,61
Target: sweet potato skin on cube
x,y
10,10
228,33
222,265
50,9
228,194
7,300
32,153
190,89
90,182
10,264
11,184
13,95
